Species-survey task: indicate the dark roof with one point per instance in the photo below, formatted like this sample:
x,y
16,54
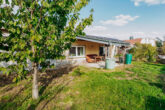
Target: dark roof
x,y
103,40
134,41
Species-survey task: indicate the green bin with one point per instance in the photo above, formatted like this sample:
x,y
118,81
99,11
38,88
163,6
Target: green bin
x,y
128,59
110,63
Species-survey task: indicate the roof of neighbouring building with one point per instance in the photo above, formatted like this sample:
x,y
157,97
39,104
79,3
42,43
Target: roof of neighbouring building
x,y
103,40
134,41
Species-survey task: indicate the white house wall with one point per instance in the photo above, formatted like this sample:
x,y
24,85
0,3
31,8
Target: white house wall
x,y
148,41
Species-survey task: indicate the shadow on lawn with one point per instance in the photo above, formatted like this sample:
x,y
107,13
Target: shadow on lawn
x,y
43,105
154,103
46,79
5,103
161,77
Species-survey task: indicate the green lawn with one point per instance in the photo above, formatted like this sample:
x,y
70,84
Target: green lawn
x,y
135,87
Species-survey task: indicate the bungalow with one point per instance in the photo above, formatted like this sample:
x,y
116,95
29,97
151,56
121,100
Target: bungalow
x,y
88,48
93,48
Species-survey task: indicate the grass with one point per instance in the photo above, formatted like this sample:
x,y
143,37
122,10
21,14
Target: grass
x,y
139,86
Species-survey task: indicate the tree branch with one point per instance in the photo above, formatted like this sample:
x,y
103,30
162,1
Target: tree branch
x,y
39,19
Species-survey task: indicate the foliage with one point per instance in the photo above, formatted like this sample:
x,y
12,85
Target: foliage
x,y
135,88
163,49
39,30
159,43
144,52
118,55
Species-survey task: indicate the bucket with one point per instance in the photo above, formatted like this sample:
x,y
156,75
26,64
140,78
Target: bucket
x,y
110,63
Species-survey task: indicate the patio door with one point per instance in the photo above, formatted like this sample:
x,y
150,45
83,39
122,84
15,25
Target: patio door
x,y
102,51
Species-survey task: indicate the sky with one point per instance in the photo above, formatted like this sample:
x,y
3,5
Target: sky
x,y
124,18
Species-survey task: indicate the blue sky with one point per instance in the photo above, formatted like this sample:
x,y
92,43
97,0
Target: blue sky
x,y
124,18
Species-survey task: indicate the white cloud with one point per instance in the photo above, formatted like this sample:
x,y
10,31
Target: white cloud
x,y
147,34
109,32
95,28
120,20
149,2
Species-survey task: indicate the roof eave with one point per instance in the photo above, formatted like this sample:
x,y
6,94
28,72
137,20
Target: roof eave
x,y
93,40
104,41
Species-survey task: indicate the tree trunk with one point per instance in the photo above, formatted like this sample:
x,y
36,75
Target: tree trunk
x,y
35,83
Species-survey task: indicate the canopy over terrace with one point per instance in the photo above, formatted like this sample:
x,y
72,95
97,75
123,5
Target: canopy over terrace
x,y
109,43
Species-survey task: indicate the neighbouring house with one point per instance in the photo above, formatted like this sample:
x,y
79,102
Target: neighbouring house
x,y
92,48
142,41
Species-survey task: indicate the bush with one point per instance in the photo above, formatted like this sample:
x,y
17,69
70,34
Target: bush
x,y
163,49
145,52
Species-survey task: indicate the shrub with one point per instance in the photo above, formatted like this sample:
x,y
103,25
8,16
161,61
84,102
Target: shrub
x,y
163,49
144,52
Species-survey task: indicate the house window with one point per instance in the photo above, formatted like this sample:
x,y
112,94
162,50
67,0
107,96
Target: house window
x,y
77,51
72,51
